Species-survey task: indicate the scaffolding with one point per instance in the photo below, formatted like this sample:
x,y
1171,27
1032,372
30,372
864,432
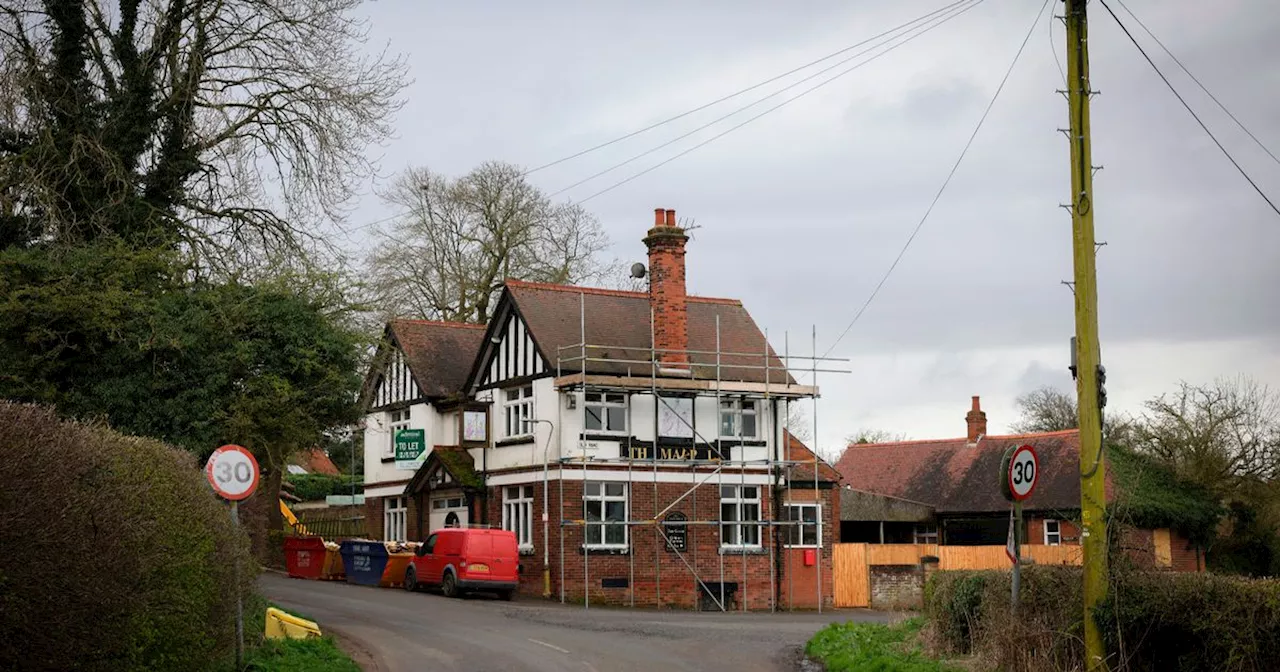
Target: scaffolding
x,y
583,369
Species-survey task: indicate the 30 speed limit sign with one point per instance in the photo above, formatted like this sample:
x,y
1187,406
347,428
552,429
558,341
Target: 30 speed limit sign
x,y
1024,468
233,472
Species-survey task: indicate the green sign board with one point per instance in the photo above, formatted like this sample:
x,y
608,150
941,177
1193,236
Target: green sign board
x,y
410,445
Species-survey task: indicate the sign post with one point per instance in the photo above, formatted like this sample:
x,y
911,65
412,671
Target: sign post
x,y
1018,473
233,473
410,445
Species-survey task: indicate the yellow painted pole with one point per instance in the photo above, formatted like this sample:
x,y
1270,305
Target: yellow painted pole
x,y
1092,492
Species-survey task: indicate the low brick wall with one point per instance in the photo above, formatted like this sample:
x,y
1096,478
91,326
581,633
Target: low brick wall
x,y
897,587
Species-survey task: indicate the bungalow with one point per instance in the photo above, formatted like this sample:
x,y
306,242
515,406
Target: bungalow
x,y
635,442
946,491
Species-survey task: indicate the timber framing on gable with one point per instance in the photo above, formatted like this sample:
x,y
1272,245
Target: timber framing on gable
x,y
390,381
509,352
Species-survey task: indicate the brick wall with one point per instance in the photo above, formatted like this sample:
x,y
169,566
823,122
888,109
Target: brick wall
x,y
1186,557
800,581
621,578
897,587
373,517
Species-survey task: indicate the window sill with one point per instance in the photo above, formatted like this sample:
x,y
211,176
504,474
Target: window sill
x,y
597,435
743,550
810,546
514,440
526,550
388,460
604,550
739,441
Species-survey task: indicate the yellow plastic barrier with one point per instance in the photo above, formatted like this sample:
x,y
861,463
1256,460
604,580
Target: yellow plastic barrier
x,y
281,625
291,519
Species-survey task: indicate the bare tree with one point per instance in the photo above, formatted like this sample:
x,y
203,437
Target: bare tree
x,y
179,122
867,435
1046,409
1220,435
1049,409
457,240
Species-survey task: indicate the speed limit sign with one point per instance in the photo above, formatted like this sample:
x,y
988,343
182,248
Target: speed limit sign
x,y
233,472
1024,468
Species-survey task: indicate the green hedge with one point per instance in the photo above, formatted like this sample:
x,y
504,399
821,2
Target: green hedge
x,y
117,555
315,487
1151,620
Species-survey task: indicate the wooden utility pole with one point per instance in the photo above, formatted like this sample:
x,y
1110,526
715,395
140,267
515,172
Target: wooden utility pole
x,y
1087,360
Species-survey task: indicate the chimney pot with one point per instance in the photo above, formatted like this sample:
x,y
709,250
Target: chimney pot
x,y
659,216
671,218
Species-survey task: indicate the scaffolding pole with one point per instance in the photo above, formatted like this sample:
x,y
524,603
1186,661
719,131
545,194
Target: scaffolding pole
x,y
786,348
816,497
770,412
586,531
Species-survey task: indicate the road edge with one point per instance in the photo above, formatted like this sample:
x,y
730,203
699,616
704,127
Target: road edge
x,y
357,649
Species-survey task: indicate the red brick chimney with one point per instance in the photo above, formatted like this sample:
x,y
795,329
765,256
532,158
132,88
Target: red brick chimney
x,y
977,421
666,288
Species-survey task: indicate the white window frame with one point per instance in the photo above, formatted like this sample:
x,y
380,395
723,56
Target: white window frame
x,y
1052,538
444,503
517,513
735,409
795,531
396,421
603,402
516,412
604,497
734,532
925,533
395,516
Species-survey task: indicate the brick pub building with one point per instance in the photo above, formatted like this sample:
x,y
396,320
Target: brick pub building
x,y
644,431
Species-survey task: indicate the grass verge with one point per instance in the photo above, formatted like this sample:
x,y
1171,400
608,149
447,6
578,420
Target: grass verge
x,y
872,647
318,654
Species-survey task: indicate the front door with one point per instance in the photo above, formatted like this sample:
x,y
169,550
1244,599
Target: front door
x,y
448,509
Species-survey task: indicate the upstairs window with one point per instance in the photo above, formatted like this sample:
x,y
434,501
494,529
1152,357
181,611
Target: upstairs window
x,y
517,406
606,413
398,420
738,419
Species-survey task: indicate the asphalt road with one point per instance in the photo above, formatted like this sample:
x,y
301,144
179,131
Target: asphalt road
x,y
392,630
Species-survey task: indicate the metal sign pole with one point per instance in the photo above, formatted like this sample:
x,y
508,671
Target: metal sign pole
x,y
1017,552
235,522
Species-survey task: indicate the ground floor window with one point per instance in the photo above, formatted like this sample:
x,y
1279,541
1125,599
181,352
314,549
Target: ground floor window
x,y
1052,532
394,516
926,534
803,530
606,514
517,513
739,515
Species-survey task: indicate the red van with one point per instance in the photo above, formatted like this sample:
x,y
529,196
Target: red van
x,y
460,560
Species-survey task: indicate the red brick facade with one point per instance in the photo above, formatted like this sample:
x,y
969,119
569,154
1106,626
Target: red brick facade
x,y
623,577
667,294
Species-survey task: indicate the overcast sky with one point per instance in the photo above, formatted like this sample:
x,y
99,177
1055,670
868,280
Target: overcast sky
x,y
802,211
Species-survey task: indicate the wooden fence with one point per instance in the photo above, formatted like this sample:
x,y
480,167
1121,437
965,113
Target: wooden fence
x,y
331,528
852,562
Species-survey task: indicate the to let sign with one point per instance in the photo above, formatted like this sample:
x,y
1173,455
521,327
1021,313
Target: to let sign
x,y
678,534
410,445
233,472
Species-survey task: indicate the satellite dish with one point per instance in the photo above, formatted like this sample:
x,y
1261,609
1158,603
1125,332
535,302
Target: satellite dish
x,y
638,270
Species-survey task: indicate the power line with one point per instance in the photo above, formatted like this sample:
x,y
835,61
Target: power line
x,y
752,104
943,188
1188,107
1198,83
741,91
775,107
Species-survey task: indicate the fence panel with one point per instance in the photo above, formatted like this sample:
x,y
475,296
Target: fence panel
x,y
853,583
332,528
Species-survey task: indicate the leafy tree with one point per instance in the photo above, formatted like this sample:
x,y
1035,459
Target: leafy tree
x,y
456,240
170,123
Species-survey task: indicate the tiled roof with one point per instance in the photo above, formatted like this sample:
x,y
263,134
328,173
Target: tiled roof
x,y
439,354
955,477
315,461
803,473
620,321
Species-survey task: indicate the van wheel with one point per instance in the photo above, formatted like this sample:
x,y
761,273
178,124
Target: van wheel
x,y
449,585
505,595
410,580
